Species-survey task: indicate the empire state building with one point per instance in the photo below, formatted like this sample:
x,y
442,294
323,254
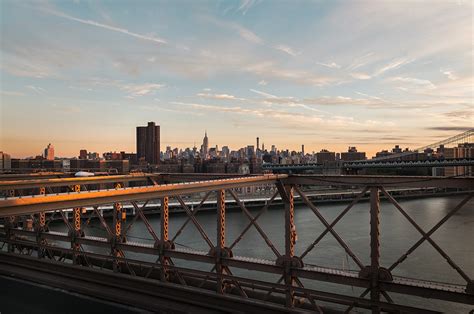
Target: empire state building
x,y
205,146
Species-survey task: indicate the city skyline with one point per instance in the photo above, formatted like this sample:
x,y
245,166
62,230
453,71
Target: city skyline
x,y
146,141
326,79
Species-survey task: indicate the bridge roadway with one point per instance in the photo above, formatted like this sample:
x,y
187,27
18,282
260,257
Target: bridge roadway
x,y
97,273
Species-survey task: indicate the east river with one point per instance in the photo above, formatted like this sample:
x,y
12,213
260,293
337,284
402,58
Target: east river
x,y
397,236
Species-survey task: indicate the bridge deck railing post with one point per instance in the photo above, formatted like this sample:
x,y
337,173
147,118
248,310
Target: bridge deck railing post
x,y
117,232
287,194
164,222
374,247
220,243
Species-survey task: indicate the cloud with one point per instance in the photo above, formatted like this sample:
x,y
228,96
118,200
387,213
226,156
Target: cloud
x,y
361,76
245,5
70,109
287,49
11,93
450,128
219,96
247,34
293,119
332,65
461,114
263,93
395,64
36,89
414,81
104,26
242,31
296,120
449,74
137,90
24,65
267,69
344,101
366,95
361,61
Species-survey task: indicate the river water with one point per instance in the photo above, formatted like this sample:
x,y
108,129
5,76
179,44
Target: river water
x,y
397,236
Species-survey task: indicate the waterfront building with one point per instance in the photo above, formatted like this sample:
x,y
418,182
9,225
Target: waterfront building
x,y
352,154
325,156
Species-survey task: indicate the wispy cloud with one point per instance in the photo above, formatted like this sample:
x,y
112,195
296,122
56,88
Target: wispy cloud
x,y
104,26
290,118
332,65
242,31
450,128
370,96
461,114
268,69
69,109
418,83
450,74
219,96
287,49
361,76
247,34
36,89
11,93
245,5
137,90
361,61
263,93
395,64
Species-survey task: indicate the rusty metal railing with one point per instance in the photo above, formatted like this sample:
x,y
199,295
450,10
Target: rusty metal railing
x,y
26,232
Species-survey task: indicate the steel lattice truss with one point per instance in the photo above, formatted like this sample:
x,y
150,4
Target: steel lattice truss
x,y
115,252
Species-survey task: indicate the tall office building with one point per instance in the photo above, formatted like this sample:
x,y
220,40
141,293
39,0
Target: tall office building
x,y
83,154
205,146
5,161
148,143
49,152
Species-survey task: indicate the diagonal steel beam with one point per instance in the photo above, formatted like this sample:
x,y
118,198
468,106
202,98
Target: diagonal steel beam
x,y
431,231
335,221
262,211
426,236
328,227
146,222
102,221
195,222
255,224
180,230
308,296
134,220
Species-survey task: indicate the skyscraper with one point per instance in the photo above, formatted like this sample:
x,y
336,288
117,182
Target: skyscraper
x,y
205,146
148,143
49,152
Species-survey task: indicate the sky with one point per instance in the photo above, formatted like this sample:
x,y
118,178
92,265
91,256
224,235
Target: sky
x,y
326,74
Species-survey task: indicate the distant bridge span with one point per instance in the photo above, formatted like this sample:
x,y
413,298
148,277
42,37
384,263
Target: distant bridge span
x,y
367,164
